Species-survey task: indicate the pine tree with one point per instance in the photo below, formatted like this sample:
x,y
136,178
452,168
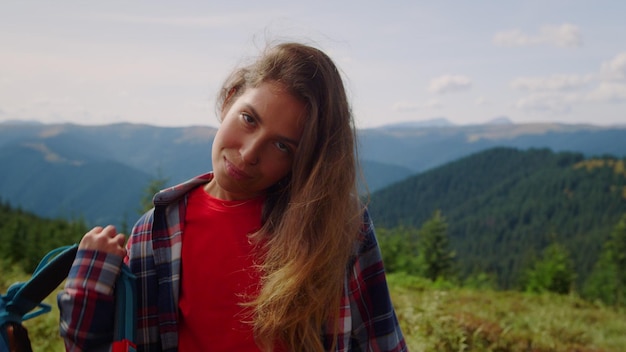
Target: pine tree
x,y
399,249
153,187
435,258
607,281
554,272
601,285
617,245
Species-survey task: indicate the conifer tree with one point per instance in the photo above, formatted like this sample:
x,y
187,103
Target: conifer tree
x,y
607,281
553,272
435,258
618,258
399,249
600,284
153,187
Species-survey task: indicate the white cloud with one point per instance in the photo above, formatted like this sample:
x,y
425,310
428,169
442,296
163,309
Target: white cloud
x,y
608,92
403,106
565,35
548,102
615,70
449,83
552,83
559,93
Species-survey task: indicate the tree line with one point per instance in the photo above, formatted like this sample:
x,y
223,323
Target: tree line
x,y
426,252
504,207
26,238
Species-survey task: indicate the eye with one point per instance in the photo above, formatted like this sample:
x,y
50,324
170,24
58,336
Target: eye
x,y
247,118
283,147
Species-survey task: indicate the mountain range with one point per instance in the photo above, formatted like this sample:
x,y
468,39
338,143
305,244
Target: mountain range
x,y
99,173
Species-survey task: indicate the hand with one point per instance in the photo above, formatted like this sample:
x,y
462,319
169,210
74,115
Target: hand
x,y
104,239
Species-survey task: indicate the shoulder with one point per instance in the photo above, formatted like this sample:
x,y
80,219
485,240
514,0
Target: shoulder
x,y
366,241
165,201
367,261
171,194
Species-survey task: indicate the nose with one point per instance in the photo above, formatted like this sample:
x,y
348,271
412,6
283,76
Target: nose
x,y
249,151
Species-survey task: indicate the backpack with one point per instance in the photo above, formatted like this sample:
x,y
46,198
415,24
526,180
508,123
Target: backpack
x,y
23,301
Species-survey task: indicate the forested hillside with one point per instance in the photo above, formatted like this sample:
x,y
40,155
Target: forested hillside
x,y
25,238
505,206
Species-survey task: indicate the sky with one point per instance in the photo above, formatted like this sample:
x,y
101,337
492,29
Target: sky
x,y
162,62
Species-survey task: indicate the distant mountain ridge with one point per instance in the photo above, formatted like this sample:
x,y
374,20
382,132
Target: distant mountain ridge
x,y
426,147
436,122
502,120
138,153
443,122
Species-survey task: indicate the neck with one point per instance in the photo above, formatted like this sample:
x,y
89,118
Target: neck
x,y
214,190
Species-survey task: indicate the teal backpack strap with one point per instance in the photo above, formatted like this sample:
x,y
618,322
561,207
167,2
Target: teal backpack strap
x,y
22,298
125,312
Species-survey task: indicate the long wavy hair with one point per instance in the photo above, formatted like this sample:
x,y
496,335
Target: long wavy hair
x,y
311,218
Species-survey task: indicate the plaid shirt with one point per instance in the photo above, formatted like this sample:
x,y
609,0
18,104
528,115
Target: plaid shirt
x,y
368,320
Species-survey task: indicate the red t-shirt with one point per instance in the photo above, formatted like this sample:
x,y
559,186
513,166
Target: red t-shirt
x,y
217,273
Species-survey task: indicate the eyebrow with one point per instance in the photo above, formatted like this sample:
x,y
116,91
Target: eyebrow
x,y
260,119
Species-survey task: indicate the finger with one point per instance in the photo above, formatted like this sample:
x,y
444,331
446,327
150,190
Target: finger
x,y
120,239
109,231
103,239
119,242
96,230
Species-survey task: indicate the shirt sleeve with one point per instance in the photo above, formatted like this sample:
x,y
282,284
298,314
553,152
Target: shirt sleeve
x,y
87,302
375,325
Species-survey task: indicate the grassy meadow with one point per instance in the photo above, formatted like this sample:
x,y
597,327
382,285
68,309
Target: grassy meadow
x,y
441,317
44,329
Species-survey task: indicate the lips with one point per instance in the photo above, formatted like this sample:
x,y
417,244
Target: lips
x,y
234,171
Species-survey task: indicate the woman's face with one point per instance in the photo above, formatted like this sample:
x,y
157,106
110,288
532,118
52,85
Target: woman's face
x,y
256,142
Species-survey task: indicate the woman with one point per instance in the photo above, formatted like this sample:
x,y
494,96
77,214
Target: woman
x,y
270,251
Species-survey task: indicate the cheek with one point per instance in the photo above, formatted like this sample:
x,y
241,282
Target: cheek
x,y
217,141
223,137
277,169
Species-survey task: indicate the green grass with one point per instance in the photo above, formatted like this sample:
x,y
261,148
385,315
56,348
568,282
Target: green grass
x,y
441,317
44,329
445,318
